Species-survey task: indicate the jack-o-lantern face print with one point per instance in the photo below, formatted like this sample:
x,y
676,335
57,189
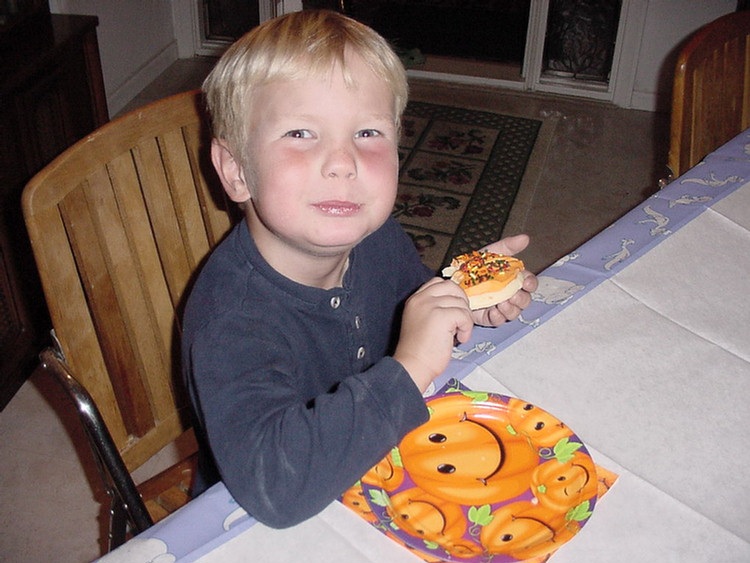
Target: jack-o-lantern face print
x,y
561,486
523,530
469,450
540,426
429,518
466,454
354,499
386,474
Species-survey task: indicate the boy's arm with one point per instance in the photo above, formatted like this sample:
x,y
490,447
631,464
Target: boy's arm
x,y
284,457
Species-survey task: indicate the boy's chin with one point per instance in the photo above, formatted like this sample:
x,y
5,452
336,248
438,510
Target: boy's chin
x,y
333,248
335,243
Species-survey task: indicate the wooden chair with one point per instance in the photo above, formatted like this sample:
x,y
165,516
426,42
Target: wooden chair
x,y
118,224
711,92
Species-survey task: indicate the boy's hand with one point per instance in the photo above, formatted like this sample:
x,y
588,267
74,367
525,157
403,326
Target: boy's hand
x,y
510,309
435,316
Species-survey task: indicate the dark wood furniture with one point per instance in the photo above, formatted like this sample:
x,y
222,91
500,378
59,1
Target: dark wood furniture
x,y
51,95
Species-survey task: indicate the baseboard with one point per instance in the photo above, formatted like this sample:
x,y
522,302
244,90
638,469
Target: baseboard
x,y
465,80
141,78
650,101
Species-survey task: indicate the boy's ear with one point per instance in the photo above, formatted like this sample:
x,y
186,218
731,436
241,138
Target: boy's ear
x,y
230,172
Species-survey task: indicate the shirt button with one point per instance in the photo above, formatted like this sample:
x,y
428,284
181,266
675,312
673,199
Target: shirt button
x,y
335,302
361,352
357,322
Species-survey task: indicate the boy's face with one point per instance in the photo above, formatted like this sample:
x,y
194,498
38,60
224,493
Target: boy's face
x,y
324,162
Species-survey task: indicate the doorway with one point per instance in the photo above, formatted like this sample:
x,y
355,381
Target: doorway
x,y
227,20
216,24
564,46
487,30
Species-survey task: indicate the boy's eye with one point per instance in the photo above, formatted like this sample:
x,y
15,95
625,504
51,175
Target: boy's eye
x,y
298,134
365,133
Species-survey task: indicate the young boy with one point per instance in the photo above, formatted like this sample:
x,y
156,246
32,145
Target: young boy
x,y
304,364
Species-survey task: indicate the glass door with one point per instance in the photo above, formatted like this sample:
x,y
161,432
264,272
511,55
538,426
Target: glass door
x,y
227,20
571,47
481,38
581,37
585,49
218,23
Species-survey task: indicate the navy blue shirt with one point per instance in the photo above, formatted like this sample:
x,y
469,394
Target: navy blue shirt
x,y
293,385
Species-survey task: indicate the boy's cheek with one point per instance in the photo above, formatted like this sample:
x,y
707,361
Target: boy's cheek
x,y
383,161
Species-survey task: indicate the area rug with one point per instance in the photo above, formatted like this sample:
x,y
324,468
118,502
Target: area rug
x,y
461,171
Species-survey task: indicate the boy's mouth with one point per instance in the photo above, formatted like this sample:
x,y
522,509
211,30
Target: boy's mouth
x,y
338,208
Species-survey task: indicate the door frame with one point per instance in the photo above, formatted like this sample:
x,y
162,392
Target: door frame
x,y
188,21
618,90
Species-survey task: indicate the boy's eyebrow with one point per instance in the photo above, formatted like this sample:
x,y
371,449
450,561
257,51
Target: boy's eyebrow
x,y
381,116
384,116
389,118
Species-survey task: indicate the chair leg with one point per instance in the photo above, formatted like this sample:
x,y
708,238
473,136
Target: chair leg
x,y
118,523
123,491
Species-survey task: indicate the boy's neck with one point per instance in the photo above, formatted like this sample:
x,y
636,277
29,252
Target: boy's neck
x,y
324,272
314,271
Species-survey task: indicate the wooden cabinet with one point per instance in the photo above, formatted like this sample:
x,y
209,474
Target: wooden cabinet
x,y
51,95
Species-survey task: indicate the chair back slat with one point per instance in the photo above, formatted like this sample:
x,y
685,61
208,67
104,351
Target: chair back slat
x,y
145,313
68,306
162,216
217,224
153,324
185,201
105,267
119,223
711,93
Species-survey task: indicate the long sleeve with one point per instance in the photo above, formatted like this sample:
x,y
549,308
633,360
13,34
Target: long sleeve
x,y
293,385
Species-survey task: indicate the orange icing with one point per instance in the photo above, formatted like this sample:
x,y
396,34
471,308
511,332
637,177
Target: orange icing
x,y
477,267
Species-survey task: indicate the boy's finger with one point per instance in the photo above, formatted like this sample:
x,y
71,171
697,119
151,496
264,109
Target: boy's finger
x,y
509,246
530,282
443,287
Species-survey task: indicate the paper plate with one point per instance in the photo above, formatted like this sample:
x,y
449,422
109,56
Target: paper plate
x,y
488,478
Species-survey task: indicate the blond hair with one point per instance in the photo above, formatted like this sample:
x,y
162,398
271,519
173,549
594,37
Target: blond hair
x,y
296,45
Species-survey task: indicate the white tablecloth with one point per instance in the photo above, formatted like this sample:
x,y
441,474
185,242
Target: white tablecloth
x,y
639,341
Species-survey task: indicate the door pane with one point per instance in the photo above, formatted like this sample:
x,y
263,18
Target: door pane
x,y
488,30
581,39
227,20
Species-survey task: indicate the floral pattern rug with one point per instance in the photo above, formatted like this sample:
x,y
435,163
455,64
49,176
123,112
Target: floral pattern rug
x,y
460,172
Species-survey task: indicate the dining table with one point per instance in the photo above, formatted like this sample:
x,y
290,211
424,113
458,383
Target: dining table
x,y
639,340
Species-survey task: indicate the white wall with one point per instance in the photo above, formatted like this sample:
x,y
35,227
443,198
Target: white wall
x,y
136,42
288,6
668,24
138,39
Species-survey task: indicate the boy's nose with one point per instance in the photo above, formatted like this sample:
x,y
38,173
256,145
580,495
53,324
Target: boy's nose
x,y
340,163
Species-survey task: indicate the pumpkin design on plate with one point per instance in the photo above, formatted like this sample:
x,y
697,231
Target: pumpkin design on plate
x,y
523,530
563,485
487,479
431,519
465,455
354,499
541,427
388,473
